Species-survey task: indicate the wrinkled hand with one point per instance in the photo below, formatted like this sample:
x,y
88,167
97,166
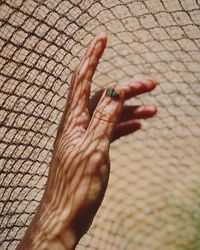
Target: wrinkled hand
x,y
79,169
129,119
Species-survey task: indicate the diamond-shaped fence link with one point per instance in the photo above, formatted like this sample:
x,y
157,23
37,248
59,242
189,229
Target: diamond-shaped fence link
x,y
153,198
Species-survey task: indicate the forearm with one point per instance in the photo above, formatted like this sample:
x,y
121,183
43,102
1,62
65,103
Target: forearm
x,y
47,231
40,241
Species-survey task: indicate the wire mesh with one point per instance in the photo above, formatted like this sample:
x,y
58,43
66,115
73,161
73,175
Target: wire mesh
x,y
153,199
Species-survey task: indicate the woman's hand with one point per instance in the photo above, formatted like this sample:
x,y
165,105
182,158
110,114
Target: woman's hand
x,y
129,120
80,166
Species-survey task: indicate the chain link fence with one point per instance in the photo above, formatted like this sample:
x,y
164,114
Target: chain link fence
x,y
153,198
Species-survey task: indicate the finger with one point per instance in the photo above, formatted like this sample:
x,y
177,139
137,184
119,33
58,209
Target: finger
x,y
137,87
131,88
105,117
137,112
79,90
126,128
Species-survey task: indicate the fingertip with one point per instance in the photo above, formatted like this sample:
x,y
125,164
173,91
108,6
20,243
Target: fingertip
x,y
153,83
102,36
150,83
156,110
152,109
137,124
97,46
148,111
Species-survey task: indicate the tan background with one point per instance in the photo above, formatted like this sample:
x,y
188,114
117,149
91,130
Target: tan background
x,y
153,199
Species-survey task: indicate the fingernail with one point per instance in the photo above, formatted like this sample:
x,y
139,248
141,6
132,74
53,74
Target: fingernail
x,y
152,108
151,83
103,33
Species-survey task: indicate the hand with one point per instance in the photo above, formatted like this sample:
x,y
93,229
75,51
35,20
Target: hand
x,y
80,166
129,120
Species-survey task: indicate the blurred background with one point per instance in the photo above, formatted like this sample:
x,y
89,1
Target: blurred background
x,y
153,198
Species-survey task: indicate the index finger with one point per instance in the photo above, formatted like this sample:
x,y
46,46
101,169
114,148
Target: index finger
x,y
81,80
79,90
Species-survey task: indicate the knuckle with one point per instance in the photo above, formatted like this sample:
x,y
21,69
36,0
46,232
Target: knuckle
x,y
103,116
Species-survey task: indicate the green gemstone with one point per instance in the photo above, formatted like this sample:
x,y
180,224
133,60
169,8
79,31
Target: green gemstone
x,y
112,93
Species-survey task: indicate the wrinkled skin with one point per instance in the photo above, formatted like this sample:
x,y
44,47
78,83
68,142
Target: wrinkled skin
x,y
80,166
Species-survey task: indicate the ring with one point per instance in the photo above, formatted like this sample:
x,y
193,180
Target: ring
x,y
112,93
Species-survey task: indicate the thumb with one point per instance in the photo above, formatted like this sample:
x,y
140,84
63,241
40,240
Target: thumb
x,y
106,115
